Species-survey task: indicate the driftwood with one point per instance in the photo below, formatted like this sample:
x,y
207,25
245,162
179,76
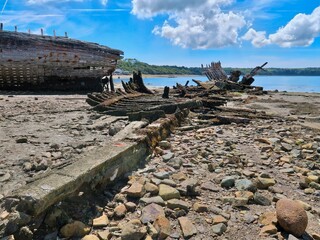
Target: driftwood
x,y
248,78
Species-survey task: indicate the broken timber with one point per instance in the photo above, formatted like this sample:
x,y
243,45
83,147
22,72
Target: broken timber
x,y
38,62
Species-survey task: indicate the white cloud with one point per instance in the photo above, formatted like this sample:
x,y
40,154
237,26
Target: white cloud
x,y
193,24
104,2
46,1
300,31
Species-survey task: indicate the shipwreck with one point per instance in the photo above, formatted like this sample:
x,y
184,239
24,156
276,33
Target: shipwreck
x,y
38,62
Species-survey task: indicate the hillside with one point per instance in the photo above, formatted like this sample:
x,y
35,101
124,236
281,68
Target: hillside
x,y
135,65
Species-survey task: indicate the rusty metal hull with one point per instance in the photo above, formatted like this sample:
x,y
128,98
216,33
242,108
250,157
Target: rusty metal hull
x,y
30,61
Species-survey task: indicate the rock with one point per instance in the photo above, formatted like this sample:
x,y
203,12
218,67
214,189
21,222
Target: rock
x,y
209,186
22,140
74,229
286,147
151,188
24,234
167,192
291,216
27,167
55,216
162,225
176,162
268,230
268,218
244,194
136,190
120,211
219,219
219,229
169,182
179,176
90,237
104,235
130,206
133,230
5,177
187,227
228,182
261,200
291,237
176,203
199,207
245,185
15,221
101,221
151,212
265,183
167,156
165,145
157,200
162,175
189,187
240,202
315,185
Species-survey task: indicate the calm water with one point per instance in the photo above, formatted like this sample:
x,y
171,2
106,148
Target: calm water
x,y
281,83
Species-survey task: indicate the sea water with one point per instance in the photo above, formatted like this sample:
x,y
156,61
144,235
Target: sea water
x,y
281,83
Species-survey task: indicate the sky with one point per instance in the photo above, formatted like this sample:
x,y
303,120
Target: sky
x,y
239,33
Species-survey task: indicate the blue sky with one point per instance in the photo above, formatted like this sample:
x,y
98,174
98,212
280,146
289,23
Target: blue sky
x,y
242,33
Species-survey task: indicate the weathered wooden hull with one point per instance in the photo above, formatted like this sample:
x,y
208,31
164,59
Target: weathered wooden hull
x,y
30,61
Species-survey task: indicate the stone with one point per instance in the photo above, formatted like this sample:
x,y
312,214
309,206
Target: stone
x,y
187,227
268,230
268,218
157,200
162,175
261,200
130,206
5,177
90,237
74,229
54,216
199,207
244,194
176,203
209,186
228,182
101,221
162,225
15,220
169,182
265,183
133,230
189,187
136,190
165,145
167,192
151,188
286,147
120,211
167,156
240,202
291,216
105,235
315,185
180,176
176,162
312,178
24,234
22,140
219,229
151,212
245,185
218,219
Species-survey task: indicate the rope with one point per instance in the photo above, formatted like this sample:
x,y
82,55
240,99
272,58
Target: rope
x,y
4,6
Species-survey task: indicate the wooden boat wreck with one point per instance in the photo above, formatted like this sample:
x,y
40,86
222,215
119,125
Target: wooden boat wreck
x,y
218,76
38,62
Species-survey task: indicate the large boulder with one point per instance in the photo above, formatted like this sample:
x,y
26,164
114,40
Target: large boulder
x,y
291,216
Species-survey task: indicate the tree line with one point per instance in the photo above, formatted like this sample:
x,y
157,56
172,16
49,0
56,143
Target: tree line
x,y
132,64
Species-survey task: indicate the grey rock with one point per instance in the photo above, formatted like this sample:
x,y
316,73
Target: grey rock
x,y
209,186
132,231
219,228
189,187
176,203
286,147
176,162
245,185
165,144
161,175
167,156
151,212
5,177
157,200
22,140
16,220
228,182
261,200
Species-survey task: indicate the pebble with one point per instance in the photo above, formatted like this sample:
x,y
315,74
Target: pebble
x,y
176,203
187,227
74,229
163,226
166,192
102,221
219,229
151,212
245,184
228,182
261,200
136,190
157,200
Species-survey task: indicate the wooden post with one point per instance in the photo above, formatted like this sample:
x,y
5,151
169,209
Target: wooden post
x,y
41,32
29,31
1,27
111,84
54,33
66,34
15,28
